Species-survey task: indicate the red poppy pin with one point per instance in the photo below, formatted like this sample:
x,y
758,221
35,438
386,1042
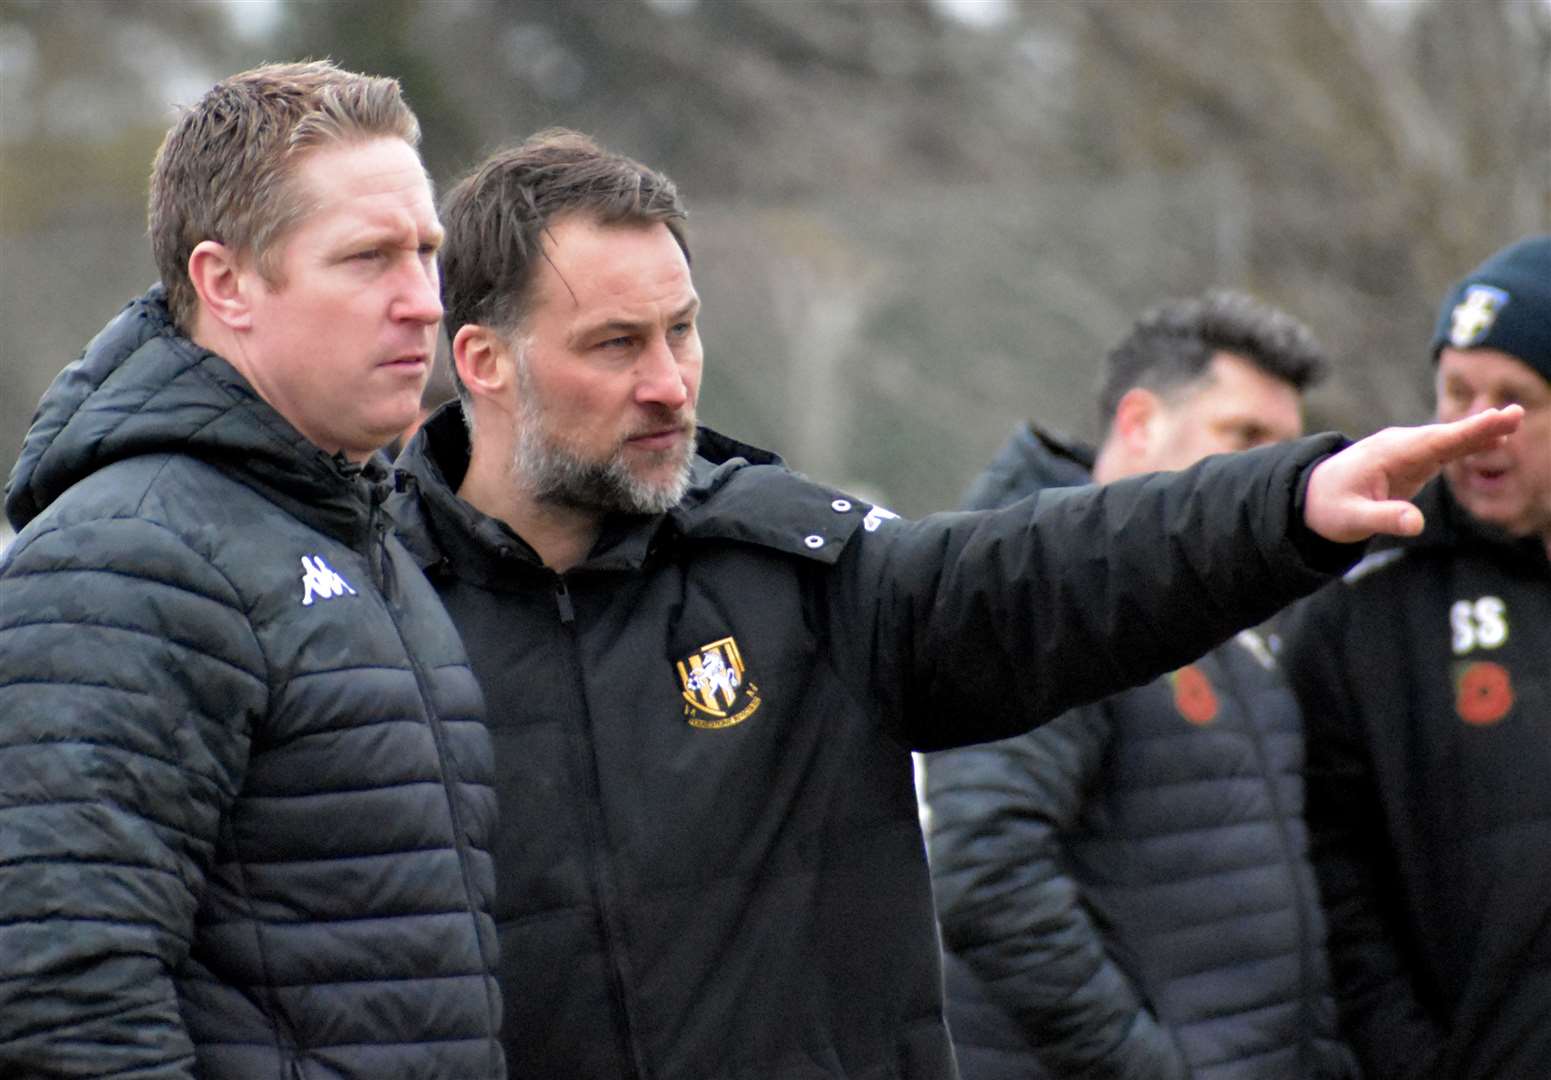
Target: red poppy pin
x,y
1483,693
1193,695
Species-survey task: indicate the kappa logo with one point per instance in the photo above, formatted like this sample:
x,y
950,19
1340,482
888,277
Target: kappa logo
x,y
717,690
320,582
1472,318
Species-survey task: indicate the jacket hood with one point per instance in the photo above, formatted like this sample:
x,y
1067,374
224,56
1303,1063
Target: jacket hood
x,y
736,491
140,387
1032,460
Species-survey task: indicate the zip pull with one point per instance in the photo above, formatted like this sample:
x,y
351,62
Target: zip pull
x,y
563,601
377,537
379,559
347,468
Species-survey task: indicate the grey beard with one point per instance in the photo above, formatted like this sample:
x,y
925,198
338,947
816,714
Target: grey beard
x,y
553,474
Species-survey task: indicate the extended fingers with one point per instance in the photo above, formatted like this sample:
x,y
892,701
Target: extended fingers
x,y
1479,431
1412,456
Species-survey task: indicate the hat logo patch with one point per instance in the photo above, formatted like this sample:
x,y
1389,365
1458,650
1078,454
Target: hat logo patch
x,y
1472,318
717,689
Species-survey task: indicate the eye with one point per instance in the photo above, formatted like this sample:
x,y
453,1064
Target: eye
x,y
371,255
1455,391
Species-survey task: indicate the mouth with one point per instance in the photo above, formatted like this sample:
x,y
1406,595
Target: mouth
x,y
664,438
409,362
1484,477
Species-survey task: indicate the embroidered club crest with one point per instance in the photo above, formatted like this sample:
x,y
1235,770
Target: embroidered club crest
x,y
717,690
1472,318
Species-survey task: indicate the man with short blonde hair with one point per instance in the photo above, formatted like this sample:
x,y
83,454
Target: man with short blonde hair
x,y
226,171
246,797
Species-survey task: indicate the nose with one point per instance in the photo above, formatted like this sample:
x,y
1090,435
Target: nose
x,y
420,297
1477,402
660,379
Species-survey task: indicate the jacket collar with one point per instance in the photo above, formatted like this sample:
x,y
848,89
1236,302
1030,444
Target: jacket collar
x,y
1031,460
1055,459
737,492
140,388
1451,527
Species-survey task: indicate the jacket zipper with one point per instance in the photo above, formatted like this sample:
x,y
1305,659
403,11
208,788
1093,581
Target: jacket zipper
x,y
377,538
444,767
618,978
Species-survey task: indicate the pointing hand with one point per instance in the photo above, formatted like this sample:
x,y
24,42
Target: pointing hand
x,y
1363,490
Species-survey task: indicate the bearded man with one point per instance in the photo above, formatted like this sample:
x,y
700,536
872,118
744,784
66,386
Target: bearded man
x,y
706,673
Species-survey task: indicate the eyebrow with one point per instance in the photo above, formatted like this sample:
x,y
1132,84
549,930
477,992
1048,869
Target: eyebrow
x,y
394,233
632,325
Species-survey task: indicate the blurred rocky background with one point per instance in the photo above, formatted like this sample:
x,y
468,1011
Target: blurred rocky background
x,y
915,222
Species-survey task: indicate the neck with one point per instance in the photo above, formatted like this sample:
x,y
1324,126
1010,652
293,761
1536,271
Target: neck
x,y
1107,465
561,535
210,335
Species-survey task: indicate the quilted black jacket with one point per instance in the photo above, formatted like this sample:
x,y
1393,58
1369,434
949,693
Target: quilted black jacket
x,y
1125,891
245,786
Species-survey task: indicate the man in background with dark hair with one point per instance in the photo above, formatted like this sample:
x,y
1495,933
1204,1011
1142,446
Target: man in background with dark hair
x,y
1125,891
706,673
1425,676
245,799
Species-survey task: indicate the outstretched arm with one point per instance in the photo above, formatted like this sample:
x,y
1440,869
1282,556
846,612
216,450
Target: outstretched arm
x,y
1362,490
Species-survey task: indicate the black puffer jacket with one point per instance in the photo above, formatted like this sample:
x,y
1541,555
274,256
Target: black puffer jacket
x,y
710,863
1426,680
245,789
1125,892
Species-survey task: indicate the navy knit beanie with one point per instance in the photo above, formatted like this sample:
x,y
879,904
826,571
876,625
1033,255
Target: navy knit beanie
x,y
1505,304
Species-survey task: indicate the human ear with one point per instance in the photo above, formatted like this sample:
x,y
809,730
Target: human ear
x,y
1136,420
217,277
483,360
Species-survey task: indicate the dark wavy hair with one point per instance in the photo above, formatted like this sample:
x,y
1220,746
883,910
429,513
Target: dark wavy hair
x,y
1172,345
496,217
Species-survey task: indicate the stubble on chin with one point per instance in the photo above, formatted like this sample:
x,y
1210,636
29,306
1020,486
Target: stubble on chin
x,y
549,472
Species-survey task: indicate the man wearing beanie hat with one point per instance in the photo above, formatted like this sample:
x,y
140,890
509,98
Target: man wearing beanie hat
x,y
1425,679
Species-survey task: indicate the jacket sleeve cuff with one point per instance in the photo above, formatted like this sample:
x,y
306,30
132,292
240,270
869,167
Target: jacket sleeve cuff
x,y
1325,556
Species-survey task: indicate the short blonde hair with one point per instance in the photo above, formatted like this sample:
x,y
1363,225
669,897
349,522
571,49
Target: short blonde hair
x,y
224,170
